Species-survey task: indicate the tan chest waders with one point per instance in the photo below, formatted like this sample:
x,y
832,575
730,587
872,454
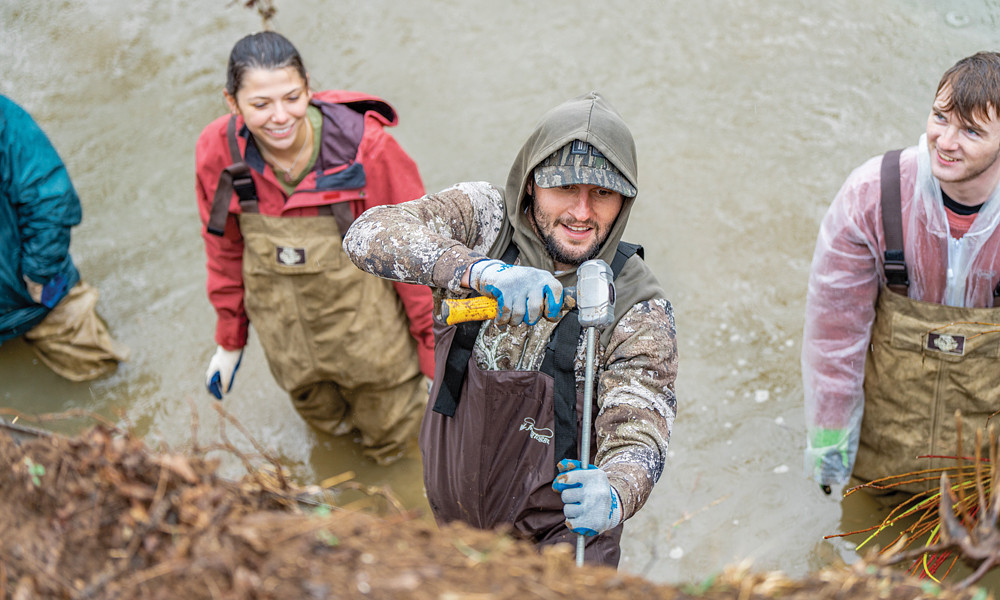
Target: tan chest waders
x,y
336,339
74,341
925,362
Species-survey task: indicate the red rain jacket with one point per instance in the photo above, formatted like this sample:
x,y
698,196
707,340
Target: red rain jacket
x,y
391,177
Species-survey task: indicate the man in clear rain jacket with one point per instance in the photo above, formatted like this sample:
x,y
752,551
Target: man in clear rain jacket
x,y
884,371
41,294
502,419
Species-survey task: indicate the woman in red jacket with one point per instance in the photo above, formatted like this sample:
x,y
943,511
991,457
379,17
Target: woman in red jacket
x,y
279,180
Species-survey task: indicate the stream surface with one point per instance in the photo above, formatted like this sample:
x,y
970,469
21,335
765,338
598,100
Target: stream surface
x,y
747,115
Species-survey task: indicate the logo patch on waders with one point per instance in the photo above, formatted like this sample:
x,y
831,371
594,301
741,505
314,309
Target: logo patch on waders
x,y
543,435
949,344
291,256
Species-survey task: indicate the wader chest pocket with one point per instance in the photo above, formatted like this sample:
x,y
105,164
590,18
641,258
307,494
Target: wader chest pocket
x,y
951,342
292,256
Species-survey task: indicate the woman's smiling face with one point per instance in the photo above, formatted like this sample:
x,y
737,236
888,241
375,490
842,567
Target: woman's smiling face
x,y
273,104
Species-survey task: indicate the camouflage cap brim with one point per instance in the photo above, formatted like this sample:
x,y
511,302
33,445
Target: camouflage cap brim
x,y
580,163
548,177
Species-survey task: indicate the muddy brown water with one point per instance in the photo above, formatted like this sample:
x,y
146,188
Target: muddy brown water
x,y
747,115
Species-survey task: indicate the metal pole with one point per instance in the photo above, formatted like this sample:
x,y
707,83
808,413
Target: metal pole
x,y
588,403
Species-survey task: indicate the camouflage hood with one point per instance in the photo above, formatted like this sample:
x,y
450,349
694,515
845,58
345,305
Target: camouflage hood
x,y
592,119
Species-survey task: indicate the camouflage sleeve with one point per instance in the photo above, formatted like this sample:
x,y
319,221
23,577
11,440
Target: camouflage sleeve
x,y
636,396
431,240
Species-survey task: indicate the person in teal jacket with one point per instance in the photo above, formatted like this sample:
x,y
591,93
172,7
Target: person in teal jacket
x,y
41,294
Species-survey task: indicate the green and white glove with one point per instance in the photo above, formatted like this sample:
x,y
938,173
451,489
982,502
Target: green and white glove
x,y
829,447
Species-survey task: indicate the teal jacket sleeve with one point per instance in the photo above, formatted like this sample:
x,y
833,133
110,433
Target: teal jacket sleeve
x,y
38,207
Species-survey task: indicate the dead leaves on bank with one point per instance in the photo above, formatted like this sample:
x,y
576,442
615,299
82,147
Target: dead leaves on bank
x,y
101,515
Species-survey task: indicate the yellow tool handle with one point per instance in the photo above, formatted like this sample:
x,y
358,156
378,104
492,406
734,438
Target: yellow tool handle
x,y
479,308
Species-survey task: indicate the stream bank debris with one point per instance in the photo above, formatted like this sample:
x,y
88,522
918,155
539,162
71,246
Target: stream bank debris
x,y
953,523
101,515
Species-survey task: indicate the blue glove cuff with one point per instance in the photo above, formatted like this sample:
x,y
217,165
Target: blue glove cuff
x,y
53,291
476,271
590,503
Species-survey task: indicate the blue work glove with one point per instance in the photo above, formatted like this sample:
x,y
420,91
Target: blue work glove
x,y
523,294
222,371
47,295
591,504
829,447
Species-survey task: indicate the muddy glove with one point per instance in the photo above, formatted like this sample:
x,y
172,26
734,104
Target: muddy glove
x,y
47,295
523,294
222,371
591,505
830,448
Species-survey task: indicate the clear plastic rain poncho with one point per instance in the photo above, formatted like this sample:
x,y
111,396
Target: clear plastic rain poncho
x,y
844,282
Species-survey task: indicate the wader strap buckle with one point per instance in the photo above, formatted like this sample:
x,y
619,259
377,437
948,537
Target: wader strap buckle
x,y
895,272
234,178
894,262
246,190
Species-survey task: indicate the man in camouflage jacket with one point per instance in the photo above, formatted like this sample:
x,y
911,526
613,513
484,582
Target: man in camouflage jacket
x,y
501,425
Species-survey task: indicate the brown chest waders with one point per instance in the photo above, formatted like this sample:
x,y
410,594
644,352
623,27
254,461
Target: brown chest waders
x,y
491,440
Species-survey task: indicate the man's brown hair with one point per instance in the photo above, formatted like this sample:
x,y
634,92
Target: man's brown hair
x,y
974,83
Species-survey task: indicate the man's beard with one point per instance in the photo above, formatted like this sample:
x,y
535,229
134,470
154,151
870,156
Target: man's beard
x,y
556,251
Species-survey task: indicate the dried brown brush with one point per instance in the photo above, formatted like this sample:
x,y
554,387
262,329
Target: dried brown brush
x,y
264,8
935,529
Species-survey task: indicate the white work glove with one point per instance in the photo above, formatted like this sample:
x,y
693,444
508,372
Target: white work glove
x,y
523,294
590,503
222,371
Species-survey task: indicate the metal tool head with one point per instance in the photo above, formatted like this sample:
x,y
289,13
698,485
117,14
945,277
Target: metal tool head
x,y
595,293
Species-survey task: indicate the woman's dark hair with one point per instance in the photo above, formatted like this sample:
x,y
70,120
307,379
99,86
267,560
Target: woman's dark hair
x,y
264,50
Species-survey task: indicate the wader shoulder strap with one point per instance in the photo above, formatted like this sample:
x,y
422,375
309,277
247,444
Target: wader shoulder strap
x,y
459,354
342,212
455,368
559,362
236,177
625,252
892,224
